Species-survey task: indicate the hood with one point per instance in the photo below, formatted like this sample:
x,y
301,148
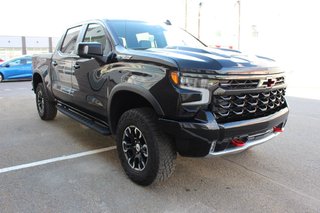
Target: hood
x,y
212,60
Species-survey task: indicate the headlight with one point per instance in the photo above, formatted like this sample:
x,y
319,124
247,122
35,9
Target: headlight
x,y
197,82
192,82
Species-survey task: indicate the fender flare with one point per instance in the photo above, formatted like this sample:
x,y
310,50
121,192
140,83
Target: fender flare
x,y
137,90
46,89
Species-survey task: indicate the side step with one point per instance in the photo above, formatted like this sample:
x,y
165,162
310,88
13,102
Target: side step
x,y
89,122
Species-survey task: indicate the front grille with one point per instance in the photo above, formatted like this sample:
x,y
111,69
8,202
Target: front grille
x,y
239,84
279,81
247,106
250,84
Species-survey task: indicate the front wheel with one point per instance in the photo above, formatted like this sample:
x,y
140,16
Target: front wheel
x,y
47,110
145,152
1,77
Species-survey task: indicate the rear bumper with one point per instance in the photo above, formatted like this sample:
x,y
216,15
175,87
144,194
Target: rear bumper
x,y
205,137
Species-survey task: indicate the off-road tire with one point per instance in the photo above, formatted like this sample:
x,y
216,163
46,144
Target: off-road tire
x,y
161,153
47,110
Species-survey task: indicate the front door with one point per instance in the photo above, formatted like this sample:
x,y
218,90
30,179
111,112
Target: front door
x,y
88,84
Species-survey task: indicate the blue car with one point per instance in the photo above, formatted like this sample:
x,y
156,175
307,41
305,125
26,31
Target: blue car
x,y
16,68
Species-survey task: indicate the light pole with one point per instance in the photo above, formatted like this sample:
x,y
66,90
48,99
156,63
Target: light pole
x,y
239,22
199,18
186,15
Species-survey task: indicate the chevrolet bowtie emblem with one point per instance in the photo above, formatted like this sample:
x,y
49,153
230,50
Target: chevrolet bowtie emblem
x,y
267,82
270,82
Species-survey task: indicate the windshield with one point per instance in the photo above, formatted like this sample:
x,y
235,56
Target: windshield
x,y
142,35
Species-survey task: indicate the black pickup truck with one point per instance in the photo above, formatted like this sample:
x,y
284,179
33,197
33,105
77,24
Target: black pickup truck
x,y
160,91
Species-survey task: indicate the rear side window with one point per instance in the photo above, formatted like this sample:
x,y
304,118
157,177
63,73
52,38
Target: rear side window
x,y
95,33
70,40
26,61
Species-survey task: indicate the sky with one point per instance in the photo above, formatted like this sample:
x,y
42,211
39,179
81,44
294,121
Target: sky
x,y
286,28
50,18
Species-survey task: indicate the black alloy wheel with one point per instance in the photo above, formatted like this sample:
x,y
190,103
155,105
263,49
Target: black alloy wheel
x,y
47,110
146,153
40,102
135,148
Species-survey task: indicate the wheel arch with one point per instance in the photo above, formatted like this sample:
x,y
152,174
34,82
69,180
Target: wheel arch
x,y
126,96
36,79
3,76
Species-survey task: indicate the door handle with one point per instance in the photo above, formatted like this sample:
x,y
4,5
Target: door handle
x,y
76,66
54,63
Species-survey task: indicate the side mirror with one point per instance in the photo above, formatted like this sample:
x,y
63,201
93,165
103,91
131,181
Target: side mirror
x,y
90,50
7,65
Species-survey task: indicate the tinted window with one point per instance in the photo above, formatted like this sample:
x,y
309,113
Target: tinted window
x,y
95,33
29,61
20,61
25,61
69,42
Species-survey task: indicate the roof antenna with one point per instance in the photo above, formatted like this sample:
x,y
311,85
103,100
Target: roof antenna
x,y
168,22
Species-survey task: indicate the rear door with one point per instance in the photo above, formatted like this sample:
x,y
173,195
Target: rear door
x,y
62,62
88,83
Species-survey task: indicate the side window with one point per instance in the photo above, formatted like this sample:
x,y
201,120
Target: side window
x,y
29,61
69,42
95,33
25,61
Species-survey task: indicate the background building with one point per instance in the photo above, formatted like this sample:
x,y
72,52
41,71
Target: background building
x,y
14,46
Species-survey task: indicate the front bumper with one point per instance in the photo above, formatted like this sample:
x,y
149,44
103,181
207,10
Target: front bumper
x,y
248,144
205,137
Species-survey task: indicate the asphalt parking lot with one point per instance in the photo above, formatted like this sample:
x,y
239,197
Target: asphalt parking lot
x,y
47,167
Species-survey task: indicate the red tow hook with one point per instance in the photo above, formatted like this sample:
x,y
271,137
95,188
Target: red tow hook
x,y
237,142
277,129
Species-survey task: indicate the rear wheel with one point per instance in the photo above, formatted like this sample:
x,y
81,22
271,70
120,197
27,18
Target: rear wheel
x,y
145,152
47,110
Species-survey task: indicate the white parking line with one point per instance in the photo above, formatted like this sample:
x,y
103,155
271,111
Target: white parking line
x,y
52,160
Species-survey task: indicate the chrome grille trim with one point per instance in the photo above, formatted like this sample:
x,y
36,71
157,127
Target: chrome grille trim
x,y
279,80
239,84
262,82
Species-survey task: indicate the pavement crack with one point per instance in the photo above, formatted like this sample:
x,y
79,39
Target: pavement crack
x,y
272,180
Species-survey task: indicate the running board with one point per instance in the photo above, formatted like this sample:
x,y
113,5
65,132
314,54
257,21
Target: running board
x,y
89,122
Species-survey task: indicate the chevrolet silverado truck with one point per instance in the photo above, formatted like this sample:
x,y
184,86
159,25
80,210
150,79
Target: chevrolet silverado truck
x,y
160,91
